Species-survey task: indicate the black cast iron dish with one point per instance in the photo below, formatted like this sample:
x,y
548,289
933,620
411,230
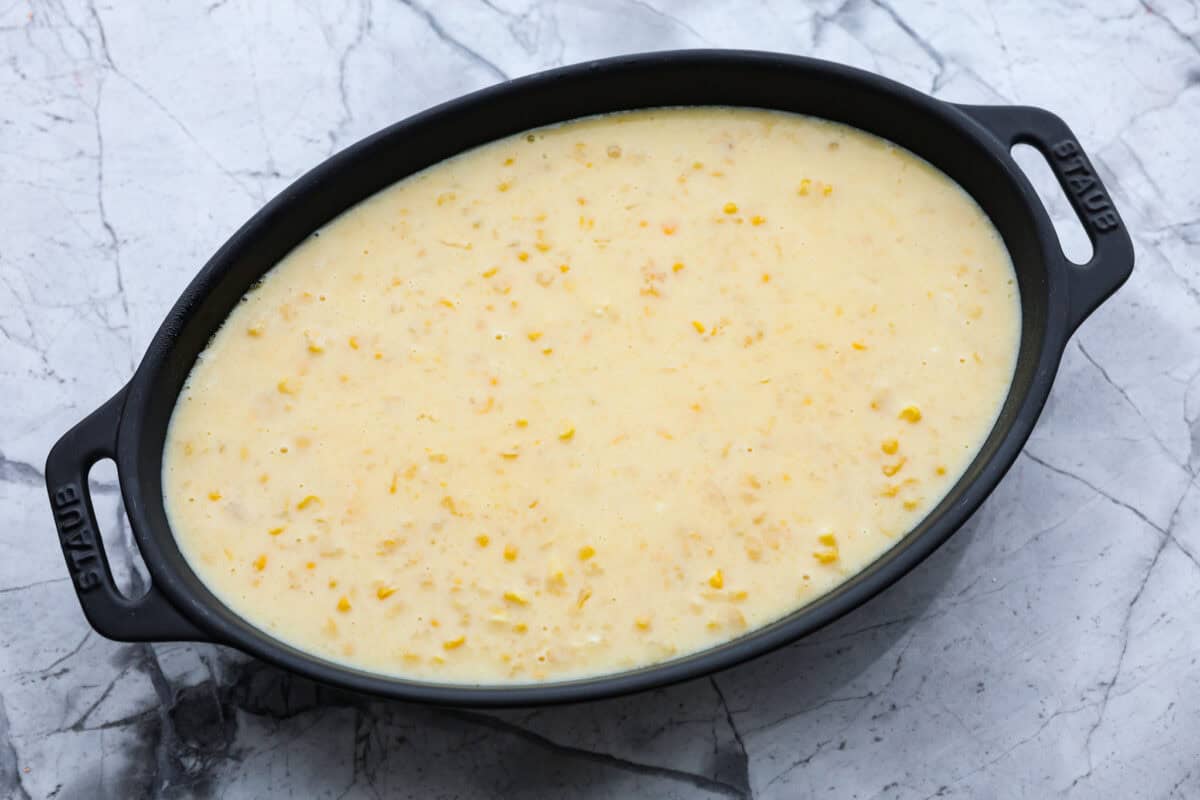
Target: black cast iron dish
x,y
971,144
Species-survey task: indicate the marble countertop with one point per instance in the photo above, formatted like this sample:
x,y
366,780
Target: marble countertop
x,y
1052,647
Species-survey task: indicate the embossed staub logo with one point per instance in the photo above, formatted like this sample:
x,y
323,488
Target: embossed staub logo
x,y
1084,185
78,538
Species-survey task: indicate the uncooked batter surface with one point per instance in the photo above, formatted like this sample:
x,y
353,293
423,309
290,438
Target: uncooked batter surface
x,y
593,397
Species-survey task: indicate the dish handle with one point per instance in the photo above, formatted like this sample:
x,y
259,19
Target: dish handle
x,y
147,618
1112,251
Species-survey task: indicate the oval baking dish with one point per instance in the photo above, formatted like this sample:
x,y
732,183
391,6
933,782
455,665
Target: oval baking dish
x,y
970,144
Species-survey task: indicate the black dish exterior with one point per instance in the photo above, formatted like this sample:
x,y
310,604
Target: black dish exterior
x,y
969,143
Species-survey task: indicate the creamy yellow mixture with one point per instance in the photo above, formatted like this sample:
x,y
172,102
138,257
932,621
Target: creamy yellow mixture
x,y
593,397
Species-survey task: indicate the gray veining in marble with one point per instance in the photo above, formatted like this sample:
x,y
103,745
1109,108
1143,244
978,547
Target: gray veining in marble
x,y
1050,649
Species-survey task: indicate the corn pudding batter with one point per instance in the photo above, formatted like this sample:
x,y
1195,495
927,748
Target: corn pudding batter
x,y
594,396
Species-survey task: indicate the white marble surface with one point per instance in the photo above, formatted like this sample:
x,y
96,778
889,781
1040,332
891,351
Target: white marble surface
x,y
1051,648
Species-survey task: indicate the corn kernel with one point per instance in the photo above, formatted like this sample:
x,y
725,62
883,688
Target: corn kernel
x,y
643,623
858,345
214,495
892,469
584,596
564,268
804,187
275,531
730,208
510,456
454,644
513,597
308,501
586,552
757,219
285,387
542,247
890,446
534,335
830,553
827,190
439,458
445,302
911,414
716,580
489,273
384,592
510,552
260,563
698,325
343,604
522,423
567,435
255,330
940,470
522,256
520,627
482,540
310,565
504,186
910,505
677,266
